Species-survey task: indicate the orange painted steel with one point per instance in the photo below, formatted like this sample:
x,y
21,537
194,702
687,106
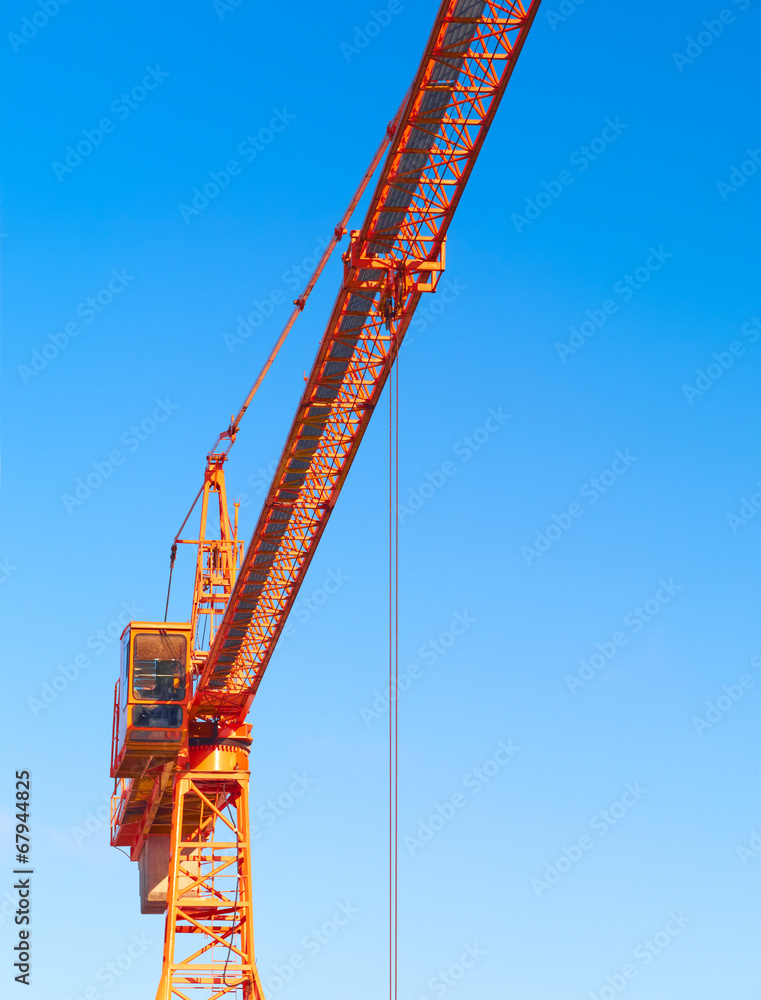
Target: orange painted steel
x,y
144,753
396,256
392,260
209,942
218,559
338,233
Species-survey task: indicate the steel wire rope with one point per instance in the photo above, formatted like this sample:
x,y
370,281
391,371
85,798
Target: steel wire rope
x,y
299,303
393,670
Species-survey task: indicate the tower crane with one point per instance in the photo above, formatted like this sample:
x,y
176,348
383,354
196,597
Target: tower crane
x,y
180,737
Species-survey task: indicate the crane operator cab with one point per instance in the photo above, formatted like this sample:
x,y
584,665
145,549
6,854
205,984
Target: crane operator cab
x,y
152,695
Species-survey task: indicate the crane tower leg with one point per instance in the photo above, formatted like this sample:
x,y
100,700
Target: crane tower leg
x,y
209,940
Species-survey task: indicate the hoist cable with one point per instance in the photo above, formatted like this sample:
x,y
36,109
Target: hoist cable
x,y
393,670
299,303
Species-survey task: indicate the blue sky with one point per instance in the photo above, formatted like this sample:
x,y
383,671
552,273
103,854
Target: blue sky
x,y
616,196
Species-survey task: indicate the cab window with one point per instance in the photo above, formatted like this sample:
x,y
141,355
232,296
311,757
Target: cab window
x,y
158,667
157,716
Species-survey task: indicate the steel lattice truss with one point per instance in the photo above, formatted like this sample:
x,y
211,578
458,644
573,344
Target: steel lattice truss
x,y
209,938
392,261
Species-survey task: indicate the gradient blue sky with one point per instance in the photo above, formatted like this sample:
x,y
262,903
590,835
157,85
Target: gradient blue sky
x,y
515,291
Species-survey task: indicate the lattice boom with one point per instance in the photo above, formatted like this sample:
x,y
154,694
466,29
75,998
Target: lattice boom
x,y
459,84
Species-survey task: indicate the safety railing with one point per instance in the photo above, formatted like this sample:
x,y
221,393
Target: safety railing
x,y
118,806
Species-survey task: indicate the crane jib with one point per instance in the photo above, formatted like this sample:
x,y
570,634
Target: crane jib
x,y
180,756
462,76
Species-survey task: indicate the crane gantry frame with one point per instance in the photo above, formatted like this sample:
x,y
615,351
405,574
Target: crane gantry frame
x,y
186,792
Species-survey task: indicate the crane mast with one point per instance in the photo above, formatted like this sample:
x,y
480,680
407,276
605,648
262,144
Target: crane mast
x,y
181,740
